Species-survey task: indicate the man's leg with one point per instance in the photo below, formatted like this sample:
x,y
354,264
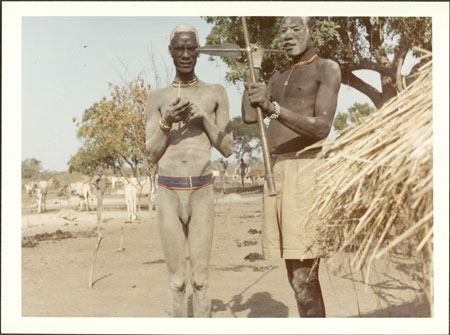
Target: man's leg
x,y
173,241
200,237
304,279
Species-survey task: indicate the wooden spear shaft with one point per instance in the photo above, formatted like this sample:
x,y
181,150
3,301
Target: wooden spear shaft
x,y
262,129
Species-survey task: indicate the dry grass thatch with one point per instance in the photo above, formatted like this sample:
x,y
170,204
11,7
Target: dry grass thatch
x,y
376,185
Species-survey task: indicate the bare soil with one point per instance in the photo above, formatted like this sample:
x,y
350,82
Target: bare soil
x,y
130,277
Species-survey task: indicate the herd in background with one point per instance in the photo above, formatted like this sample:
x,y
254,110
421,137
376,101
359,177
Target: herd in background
x,y
81,194
252,176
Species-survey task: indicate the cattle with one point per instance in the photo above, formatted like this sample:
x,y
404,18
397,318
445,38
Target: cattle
x,y
255,175
215,175
114,182
83,192
130,189
108,184
29,188
252,175
39,190
148,187
221,179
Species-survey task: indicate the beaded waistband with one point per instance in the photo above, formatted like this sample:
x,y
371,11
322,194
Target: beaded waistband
x,y
185,183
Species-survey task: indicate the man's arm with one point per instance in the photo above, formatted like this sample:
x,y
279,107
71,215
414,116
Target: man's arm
x,y
248,112
159,123
319,125
219,130
156,138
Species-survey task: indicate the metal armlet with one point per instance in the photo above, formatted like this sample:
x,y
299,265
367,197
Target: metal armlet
x,y
277,112
163,126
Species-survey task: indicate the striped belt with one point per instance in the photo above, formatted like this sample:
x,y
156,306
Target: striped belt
x,y
185,183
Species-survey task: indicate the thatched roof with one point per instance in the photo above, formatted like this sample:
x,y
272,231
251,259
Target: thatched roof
x,y
376,185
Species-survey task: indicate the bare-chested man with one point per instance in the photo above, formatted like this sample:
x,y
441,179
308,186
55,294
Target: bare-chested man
x,y
301,102
183,121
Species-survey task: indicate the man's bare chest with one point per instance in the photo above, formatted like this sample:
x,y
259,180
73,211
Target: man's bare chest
x,y
202,97
295,88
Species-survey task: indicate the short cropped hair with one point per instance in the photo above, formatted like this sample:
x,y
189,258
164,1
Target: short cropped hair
x,y
185,28
311,20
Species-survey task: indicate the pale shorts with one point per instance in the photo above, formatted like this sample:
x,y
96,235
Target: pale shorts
x,y
286,233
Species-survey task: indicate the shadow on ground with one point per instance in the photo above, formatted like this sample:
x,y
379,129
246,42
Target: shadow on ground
x,y
259,305
417,309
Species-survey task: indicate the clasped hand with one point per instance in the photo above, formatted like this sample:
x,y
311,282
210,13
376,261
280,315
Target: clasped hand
x,y
181,110
259,97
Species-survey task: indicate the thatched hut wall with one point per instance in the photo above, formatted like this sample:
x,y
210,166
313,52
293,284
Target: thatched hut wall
x,y
375,186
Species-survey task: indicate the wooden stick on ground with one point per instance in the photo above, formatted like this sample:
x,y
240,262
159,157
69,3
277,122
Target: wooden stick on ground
x,y
99,237
121,248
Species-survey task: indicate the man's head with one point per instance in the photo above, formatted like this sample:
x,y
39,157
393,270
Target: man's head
x,y
183,44
296,33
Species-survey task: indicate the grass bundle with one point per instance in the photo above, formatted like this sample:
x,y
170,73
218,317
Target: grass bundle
x,y
375,188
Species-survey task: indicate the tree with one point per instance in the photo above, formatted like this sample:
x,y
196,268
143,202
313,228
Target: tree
x,y
113,131
31,167
245,138
354,114
357,43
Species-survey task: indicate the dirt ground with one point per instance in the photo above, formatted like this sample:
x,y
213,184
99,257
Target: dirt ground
x,y
133,282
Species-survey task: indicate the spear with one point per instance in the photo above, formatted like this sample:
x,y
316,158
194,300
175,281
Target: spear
x,y
262,130
229,50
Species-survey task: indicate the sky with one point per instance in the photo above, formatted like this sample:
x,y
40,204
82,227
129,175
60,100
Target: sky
x,y
48,77
67,63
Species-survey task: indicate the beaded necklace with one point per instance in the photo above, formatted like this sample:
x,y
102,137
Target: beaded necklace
x,y
297,65
178,83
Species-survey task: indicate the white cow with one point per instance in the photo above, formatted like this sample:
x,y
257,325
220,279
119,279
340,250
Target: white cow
x,y
29,188
114,181
130,189
38,189
83,192
148,188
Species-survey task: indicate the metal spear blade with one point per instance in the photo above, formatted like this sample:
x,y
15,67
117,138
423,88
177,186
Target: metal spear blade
x,y
228,50
224,50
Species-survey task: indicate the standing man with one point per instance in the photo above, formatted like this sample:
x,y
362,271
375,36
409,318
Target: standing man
x,y
301,103
184,120
223,165
244,168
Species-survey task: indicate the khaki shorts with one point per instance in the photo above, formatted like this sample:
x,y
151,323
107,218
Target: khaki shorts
x,y
285,232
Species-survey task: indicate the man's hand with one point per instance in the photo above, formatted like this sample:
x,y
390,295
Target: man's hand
x,y
257,55
258,96
194,113
176,111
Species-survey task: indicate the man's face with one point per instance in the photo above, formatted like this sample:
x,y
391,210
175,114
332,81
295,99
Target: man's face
x,y
295,35
183,51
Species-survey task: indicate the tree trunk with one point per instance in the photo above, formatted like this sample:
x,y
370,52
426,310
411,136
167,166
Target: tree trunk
x,y
378,98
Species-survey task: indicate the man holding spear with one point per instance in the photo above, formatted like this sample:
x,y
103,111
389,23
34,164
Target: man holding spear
x,y
184,120
301,103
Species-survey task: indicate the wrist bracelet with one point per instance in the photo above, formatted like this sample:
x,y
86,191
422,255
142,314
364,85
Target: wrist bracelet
x,y
163,126
277,112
